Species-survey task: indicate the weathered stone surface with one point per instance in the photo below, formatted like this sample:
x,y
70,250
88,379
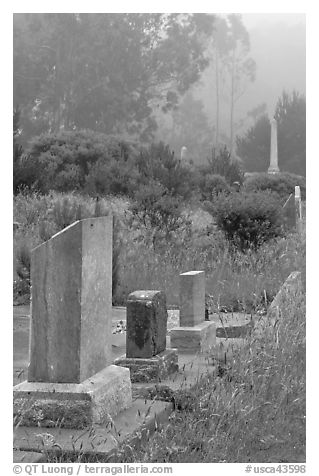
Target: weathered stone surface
x,y
192,298
273,167
199,338
146,324
71,276
154,369
93,401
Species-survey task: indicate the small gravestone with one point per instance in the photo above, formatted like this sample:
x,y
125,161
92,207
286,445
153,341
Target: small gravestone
x,y
146,328
184,154
273,167
195,334
70,377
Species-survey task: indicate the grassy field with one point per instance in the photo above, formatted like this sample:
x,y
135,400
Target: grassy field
x,y
254,411
234,281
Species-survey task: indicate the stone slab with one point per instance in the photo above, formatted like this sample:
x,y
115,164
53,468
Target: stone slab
x,y
146,324
71,277
200,338
28,457
192,298
73,405
155,369
131,425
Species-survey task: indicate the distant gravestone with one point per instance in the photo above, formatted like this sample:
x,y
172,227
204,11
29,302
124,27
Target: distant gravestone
x,y
273,167
70,379
146,328
184,153
195,334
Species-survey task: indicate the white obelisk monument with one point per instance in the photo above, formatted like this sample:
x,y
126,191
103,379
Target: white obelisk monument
x,y
273,167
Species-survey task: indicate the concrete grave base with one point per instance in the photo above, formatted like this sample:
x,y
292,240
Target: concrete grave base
x,y
199,338
153,369
69,405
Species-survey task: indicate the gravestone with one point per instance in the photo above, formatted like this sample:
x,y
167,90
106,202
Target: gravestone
x,y
184,154
293,211
71,324
146,328
194,334
273,167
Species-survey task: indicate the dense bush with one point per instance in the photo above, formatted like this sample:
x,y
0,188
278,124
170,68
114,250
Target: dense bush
x,y
63,161
282,183
222,163
248,219
159,164
211,184
157,214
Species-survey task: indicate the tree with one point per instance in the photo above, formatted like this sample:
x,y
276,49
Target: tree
x,y
291,120
104,72
240,66
254,146
187,125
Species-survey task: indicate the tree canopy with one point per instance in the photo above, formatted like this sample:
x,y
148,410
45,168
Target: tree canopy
x,y
105,72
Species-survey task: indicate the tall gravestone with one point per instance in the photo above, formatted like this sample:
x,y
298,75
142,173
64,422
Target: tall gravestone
x,y
146,328
273,167
71,325
194,334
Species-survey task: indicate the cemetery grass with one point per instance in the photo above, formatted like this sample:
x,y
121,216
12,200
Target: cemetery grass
x,y
234,281
251,410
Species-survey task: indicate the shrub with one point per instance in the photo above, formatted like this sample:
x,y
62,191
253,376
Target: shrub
x,y
282,183
225,165
248,219
158,213
63,160
210,185
158,163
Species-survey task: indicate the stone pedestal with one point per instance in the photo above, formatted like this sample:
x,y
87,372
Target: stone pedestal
x,y
192,298
199,338
154,369
64,405
70,380
146,329
194,334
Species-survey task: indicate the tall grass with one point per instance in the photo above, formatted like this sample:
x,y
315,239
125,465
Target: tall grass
x,y
255,412
234,280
